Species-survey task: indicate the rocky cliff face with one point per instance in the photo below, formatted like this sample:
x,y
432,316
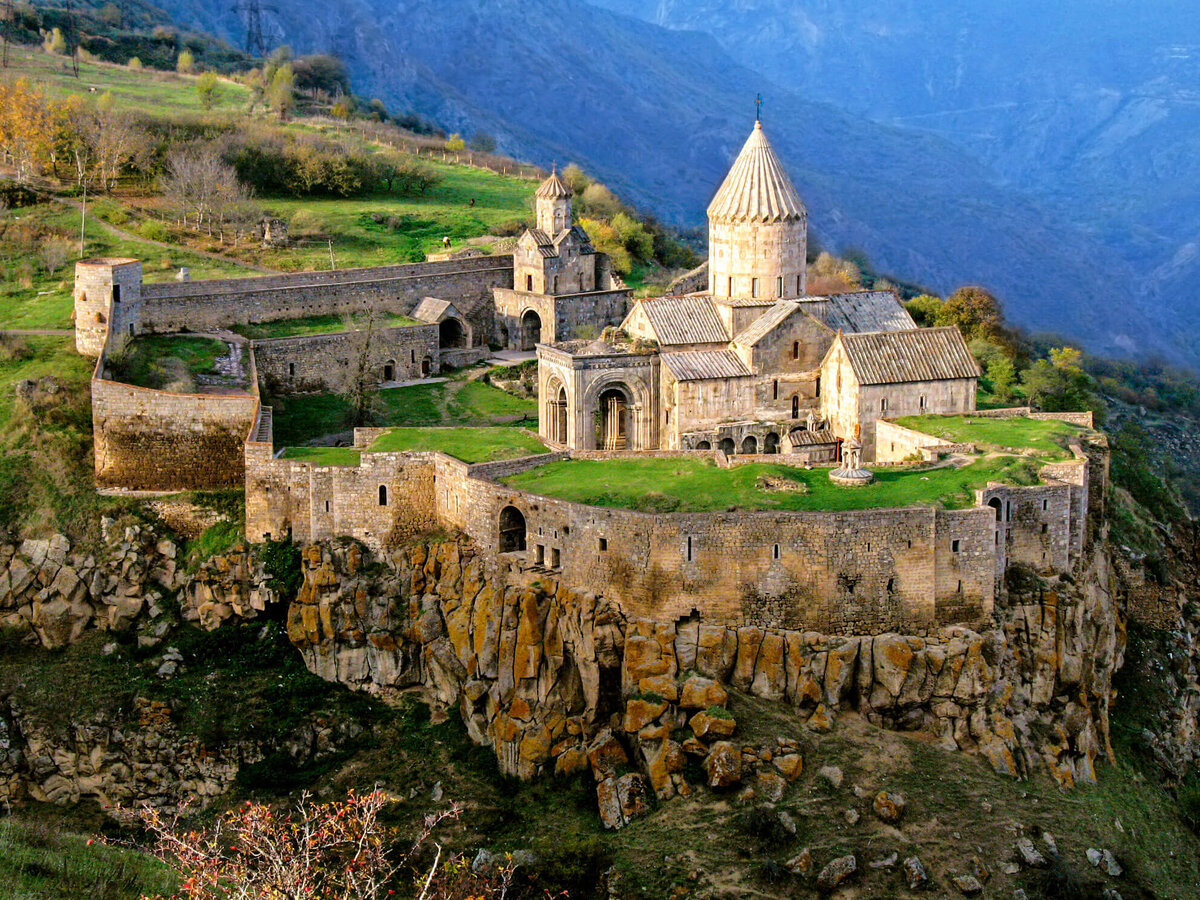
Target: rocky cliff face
x,y
555,678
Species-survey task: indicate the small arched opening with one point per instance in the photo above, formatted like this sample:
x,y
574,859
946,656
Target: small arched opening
x,y
771,443
995,504
750,445
512,530
451,334
383,495
704,445
612,420
796,407
560,416
727,446
531,330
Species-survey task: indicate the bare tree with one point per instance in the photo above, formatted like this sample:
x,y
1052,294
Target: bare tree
x,y
360,382
203,189
54,253
115,140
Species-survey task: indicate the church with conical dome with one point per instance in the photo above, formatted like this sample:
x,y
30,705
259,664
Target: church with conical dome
x,y
752,366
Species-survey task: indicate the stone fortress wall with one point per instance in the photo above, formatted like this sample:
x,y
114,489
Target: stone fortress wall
x,y
213,305
153,440
320,362
910,570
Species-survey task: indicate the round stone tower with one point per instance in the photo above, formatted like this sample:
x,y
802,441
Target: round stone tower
x,y
108,294
553,205
757,229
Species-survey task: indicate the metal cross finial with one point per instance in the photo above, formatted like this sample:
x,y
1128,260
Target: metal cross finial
x,y
758,102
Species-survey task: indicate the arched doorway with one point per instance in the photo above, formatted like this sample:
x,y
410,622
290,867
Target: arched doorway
x,y
704,445
531,330
750,445
995,504
512,530
451,334
727,446
389,370
560,417
771,443
612,420
556,412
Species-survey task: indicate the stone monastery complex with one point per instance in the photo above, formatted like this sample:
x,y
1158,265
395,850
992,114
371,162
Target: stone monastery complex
x,y
752,370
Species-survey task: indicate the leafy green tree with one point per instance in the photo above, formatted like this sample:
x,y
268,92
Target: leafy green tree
x,y
281,91
633,234
924,309
1059,383
1003,375
597,200
976,313
606,240
134,63
208,88
483,142
455,143
575,178
54,42
186,63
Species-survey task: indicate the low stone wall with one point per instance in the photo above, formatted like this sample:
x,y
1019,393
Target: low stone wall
x,y
1083,419
895,443
324,362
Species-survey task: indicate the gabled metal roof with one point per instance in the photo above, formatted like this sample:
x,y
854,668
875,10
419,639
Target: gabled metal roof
x,y
860,311
766,323
684,320
895,357
701,365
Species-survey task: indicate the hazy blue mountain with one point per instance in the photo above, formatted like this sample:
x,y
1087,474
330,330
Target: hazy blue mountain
x,y
1092,106
660,114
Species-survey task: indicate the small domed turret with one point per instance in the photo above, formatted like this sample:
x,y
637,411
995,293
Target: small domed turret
x,y
553,200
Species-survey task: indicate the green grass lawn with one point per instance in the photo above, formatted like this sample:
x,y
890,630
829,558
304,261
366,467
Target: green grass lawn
x,y
31,357
456,402
687,485
324,456
32,298
1046,438
444,211
39,861
148,91
147,360
282,328
471,445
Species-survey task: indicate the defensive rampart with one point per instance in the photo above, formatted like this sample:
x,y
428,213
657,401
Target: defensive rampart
x,y
155,440
211,305
325,362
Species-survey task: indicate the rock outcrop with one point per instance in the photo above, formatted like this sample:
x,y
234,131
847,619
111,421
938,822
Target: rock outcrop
x,y
537,669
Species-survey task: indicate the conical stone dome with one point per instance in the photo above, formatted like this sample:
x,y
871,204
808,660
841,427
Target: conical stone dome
x,y
553,188
757,188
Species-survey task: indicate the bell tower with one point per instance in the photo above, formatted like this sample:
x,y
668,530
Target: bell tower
x,y
553,205
757,229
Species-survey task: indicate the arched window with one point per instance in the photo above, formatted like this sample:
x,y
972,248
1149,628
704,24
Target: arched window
x,y
775,390
750,445
818,390
512,530
795,349
779,286
754,287
796,406
383,495
529,283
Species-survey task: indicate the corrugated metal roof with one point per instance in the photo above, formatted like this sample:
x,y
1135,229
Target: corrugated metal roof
x,y
861,311
757,188
700,365
766,323
802,437
553,188
924,354
684,320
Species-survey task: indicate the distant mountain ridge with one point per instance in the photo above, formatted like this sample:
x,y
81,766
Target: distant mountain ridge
x,y
660,114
